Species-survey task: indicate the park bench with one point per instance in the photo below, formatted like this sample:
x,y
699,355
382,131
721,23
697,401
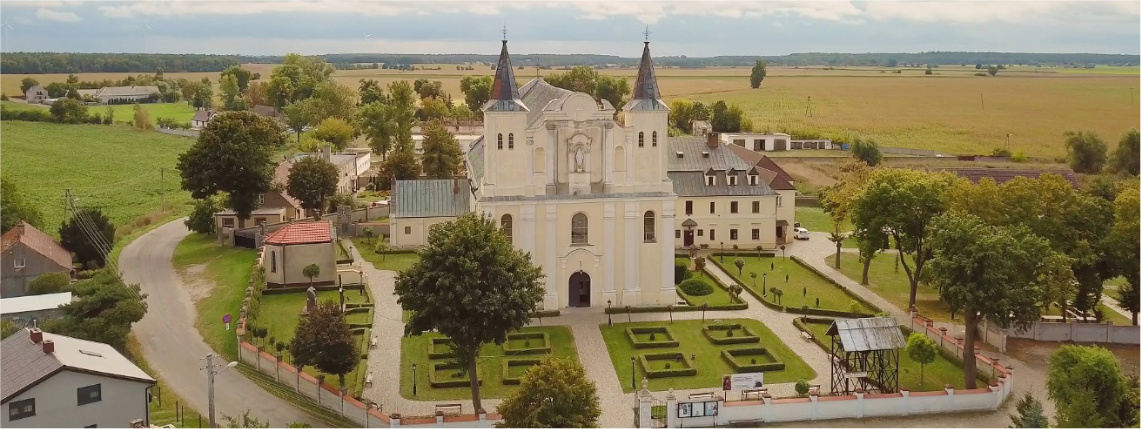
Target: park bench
x,y
706,395
807,335
449,409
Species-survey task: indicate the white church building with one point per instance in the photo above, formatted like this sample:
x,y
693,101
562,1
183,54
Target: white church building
x,y
600,205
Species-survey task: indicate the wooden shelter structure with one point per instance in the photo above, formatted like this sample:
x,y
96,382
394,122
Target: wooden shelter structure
x,y
865,354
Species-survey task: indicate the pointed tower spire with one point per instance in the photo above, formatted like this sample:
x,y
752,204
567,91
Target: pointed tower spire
x,y
504,93
646,95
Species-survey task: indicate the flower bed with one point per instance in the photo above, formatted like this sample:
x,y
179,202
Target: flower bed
x,y
511,373
648,337
448,374
527,343
752,359
661,365
724,334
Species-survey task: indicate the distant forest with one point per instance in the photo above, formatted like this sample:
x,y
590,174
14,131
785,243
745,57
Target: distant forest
x,y
51,62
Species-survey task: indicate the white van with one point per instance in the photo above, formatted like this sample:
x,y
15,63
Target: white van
x,y
800,233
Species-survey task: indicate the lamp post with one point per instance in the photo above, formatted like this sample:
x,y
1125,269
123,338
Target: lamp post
x,y
722,251
212,369
413,378
341,290
633,369
764,284
609,322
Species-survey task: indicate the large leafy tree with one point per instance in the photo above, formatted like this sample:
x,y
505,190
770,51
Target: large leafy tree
x,y
230,91
323,340
331,100
27,83
613,89
16,207
312,180
370,91
553,394
402,108
234,154
837,199
402,165
758,74
1126,248
297,78
867,151
336,131
901,204
1089,389
477,90
103,312
242,77
299,116
441,157
992,273
73,236
1087,151
578,79
378,126
1127,156
471,285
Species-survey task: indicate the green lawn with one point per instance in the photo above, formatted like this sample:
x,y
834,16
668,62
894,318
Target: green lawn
x,y
227,272
889,281
389,261
816,220
803,286
124,113
718,297
709,363
113,167
491,357
935,374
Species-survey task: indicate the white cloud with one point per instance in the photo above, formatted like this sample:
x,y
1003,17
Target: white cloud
x,y
55,15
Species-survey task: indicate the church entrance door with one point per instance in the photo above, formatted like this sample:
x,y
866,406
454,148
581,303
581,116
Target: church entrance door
x,y
578,294
687,238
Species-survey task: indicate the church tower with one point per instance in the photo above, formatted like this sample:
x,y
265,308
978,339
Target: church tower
x,y
505,124
647,118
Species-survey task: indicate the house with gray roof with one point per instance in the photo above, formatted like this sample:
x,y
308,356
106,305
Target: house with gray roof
x,y
51,380
121,94
418,204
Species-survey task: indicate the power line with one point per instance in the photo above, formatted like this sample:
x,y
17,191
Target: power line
x,y
90,231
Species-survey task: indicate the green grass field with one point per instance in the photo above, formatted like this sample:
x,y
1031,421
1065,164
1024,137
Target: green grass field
x,y
124,113
709,363
773,271
491,356
390,261
217,277
113,167
934,375
816,220
718,297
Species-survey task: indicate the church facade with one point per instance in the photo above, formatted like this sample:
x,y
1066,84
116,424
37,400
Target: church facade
x,y
591,199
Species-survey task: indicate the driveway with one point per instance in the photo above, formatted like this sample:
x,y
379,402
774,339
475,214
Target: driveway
x,y
175,349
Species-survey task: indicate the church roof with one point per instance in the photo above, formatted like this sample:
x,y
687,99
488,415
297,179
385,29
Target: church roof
x,y
542,97
504,93
646,95
475,159
696,155
431,198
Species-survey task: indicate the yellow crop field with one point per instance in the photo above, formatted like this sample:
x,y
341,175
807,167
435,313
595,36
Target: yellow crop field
x,y
950,111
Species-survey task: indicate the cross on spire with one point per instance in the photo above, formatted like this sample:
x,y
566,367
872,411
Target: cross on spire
x,y
504,31
647,34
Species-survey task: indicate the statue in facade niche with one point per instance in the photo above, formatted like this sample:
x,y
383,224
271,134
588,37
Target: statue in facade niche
x,y
579,156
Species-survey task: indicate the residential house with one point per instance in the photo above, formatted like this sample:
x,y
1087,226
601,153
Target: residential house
x,y
701,128
31,308
290,249
201,117
351,164
121,94
226,221
36,95
772,171
268,111
26,253
51,380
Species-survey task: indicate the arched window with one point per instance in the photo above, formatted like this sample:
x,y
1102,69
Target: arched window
x,y
578,229
654,139
273,261
641,139
505,222
648,227
511,141
500,146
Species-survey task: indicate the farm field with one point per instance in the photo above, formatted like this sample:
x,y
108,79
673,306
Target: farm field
x,y
113,167
950,111
126,112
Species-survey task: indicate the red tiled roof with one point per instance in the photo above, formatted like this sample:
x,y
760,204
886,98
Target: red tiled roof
x,y
37,241
1001,175
302,233
768,164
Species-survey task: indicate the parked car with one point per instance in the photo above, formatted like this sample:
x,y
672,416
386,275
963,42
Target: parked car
x,y
800,233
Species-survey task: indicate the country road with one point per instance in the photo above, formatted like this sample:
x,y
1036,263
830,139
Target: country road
x,y
175,349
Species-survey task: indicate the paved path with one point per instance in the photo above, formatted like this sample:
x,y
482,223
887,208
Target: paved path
x,y
617,407
815,250
174,348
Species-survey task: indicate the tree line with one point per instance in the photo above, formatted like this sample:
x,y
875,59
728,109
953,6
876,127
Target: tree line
x,y
54,62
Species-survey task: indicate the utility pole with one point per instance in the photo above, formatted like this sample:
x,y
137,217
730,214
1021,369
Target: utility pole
x,y
210,373
161,190
808,108
981,102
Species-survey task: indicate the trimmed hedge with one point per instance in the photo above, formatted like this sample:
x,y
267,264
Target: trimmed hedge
x,y
354,310
672,372
744,253
799,324
450,382
813,311
278,291
681,272
546,313
696,287
731,356
433,354
676,308
670,339
746,336
543,349
508,363
863,302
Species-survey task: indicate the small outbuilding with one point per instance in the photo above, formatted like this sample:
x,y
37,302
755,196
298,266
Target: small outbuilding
x,y
33,307
290,249
865,355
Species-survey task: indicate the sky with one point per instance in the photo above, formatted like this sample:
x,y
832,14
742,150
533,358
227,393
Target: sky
x,y
691,28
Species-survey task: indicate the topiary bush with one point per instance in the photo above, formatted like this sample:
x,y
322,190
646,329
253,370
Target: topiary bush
x,y
802,387
695,287
681,272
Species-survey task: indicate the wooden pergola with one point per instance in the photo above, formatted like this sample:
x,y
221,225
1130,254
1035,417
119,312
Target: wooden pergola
x,y
865,354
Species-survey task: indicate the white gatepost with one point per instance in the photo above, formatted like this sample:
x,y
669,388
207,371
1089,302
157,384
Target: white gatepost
x,y
1009,380
671,410
645,406
767,416
996,390
814,396
859,402
906,401
950,396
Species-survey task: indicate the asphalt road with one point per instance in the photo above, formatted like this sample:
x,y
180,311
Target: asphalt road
x,y
175,349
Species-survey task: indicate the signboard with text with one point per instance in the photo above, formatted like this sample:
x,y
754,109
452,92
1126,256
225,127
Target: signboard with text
x,y
745,381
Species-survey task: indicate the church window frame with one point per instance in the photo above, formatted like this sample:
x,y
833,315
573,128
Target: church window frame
x,y
506,224
499,141
580,229
641,139
511,140
648,224
654,139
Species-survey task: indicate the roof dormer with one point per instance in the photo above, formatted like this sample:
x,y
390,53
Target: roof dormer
x,y
710,177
